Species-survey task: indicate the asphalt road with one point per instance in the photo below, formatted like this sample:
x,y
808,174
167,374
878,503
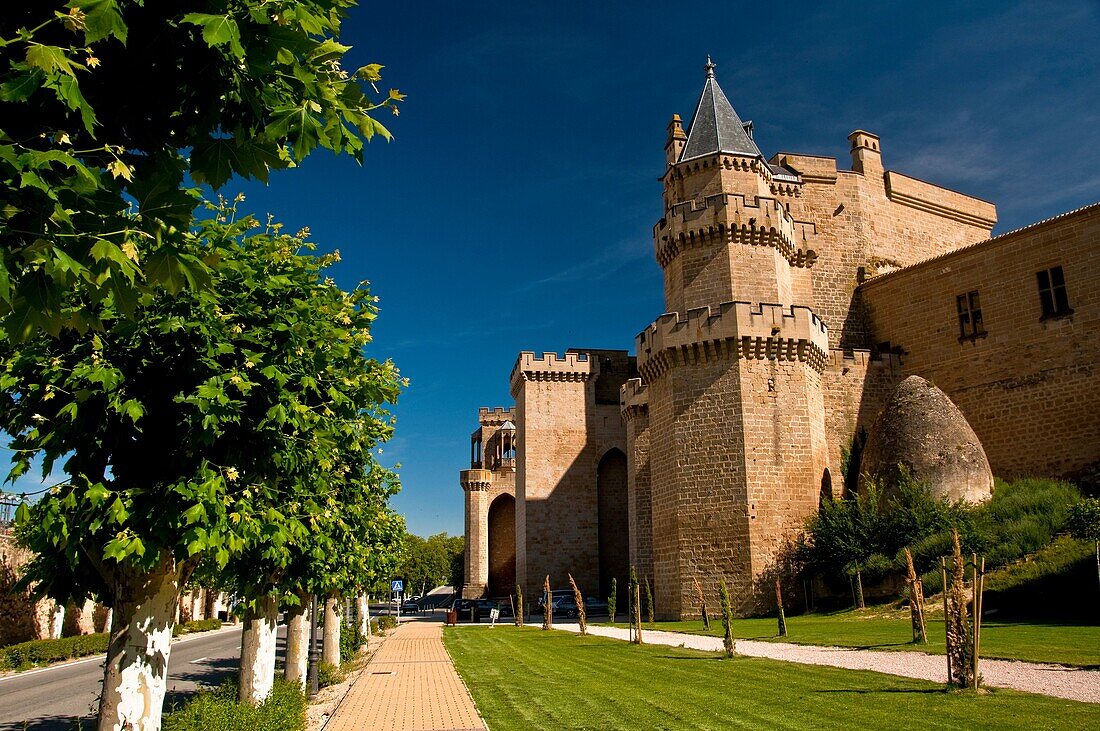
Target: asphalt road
x,y
52,699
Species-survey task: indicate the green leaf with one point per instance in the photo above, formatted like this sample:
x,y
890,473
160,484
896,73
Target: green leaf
x,y
21,87
101,19
133,409
51,58
194,514
218,30
163,268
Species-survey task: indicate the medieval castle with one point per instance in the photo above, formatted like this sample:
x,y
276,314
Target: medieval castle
x,y
797,296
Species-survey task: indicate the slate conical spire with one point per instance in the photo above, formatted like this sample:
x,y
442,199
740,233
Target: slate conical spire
x,y
715,127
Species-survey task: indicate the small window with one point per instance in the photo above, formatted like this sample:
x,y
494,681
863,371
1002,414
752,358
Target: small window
x,y
970,316
1052,293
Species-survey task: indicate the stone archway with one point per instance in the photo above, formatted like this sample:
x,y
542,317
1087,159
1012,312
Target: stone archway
x,y
614,528
502,546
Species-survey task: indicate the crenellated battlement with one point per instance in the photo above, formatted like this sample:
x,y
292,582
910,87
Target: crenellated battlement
x,y
552,367
478,480
734,329
633,399
730,217
495,416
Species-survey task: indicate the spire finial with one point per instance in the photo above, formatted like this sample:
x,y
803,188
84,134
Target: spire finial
x,y
709,68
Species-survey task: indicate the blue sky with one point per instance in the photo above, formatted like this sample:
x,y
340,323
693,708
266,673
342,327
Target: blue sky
x,y
513,209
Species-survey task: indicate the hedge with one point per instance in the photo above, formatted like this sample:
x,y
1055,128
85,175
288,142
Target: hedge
x,y
196,625
43,652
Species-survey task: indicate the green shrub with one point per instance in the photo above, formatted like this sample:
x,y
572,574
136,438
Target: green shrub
x,y
43,652
385,622
328,674
351,640
218,710
196,625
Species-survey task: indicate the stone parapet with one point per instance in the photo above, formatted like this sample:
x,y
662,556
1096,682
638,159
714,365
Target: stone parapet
x,y
633,399
552,367
730,217
735,329
480,480
495,416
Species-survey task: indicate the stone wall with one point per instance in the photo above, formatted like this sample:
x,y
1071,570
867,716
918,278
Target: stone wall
x,y
1029,386
564,432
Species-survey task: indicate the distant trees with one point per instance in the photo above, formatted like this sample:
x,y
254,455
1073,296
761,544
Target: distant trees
x,y
431,562
1084,523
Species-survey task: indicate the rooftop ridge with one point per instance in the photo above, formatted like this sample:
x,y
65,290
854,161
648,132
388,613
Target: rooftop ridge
x,y
991,240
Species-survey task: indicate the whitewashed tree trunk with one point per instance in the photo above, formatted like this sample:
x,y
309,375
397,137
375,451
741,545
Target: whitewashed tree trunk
x,y
135,674
364,615
198,608
258,651
57,621
297,642
332,630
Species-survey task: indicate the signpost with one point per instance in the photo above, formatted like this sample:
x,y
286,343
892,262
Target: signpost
x,y
397,587
494,614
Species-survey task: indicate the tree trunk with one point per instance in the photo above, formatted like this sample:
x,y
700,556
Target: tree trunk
x,y
135,673
297,642
364,615
331,652
1098,561
859,589
258,651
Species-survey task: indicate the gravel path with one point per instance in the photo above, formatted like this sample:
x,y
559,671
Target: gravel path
x,y
1058,681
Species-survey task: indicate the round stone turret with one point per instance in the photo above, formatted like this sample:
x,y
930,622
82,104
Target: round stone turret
x,y
923,431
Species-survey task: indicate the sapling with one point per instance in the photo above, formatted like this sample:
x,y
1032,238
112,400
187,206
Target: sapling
x,y
779,603
916,601
611,601
702,602
635,607
727,619
648,601
547,605
959,639
519,606
582,618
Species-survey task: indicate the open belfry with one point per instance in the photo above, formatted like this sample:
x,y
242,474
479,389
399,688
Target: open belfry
x,y
798,296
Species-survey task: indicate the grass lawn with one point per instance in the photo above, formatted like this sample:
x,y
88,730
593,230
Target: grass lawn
x,y
523,678
887,629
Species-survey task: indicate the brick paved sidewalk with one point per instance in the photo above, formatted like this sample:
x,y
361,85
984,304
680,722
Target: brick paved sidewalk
x,y
409,685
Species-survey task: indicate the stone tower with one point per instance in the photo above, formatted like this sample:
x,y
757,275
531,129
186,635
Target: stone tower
x,y
731,412
490,488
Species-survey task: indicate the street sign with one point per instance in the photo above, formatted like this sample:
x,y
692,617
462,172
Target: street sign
x,y
397,585
494,615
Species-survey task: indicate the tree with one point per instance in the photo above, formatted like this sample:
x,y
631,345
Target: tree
x,y
582,615
1084,523
611,601
728,642
429,562
203,427
92,178
702,602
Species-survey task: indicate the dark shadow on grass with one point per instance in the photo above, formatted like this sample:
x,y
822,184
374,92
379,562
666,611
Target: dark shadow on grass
x,y
864,691
682,657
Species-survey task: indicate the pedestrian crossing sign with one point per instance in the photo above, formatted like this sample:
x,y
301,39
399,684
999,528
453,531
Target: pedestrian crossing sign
x,y
397,586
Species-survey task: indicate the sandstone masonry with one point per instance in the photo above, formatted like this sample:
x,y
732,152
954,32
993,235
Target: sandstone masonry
x,y
797,296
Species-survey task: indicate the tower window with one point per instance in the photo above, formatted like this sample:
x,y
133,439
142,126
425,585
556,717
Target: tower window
x,y
1052,293
970,316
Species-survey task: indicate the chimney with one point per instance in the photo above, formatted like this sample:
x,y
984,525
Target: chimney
x,y
866,153
674,144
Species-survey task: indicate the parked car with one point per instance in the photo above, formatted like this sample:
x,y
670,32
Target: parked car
x,y
566,606
555,594
409,606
